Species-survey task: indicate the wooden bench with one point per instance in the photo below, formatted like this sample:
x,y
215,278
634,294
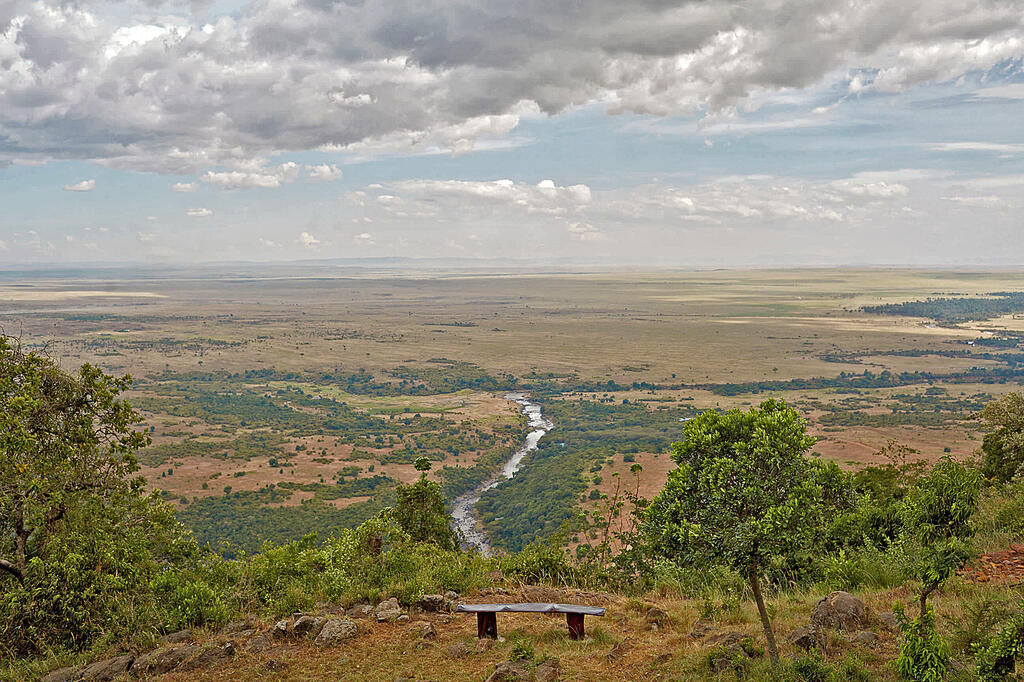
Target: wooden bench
x,y
487,621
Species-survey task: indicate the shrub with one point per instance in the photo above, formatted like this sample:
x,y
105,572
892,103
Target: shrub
x,y
999,658
924,655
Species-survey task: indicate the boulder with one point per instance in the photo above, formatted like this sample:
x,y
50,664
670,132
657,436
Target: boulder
x,y
458,650
547,670
210,657
388,611
336,630
261,642
509,671
108,669
427,631
432,602
280,628
63,675
179,637
360,611
888,619
307,625
840,611
655,617
164,660
324,608
237,626
866,638
805,637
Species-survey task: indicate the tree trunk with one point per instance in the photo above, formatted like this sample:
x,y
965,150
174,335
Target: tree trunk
x,y
13,570
20,539
773,650
924,598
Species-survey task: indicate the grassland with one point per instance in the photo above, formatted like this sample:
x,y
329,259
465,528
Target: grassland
x,y
255,377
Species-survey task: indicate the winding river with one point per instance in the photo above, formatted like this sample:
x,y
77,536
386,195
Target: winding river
x,y
463,506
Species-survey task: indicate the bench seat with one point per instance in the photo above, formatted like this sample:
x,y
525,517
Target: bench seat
x,y
487,622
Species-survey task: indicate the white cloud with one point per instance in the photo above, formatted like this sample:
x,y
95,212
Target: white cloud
x,y
268,243
324,172
3,246
199,212
145,237
263,177
987,201
364,239
83,186
184,187
997,147
309,241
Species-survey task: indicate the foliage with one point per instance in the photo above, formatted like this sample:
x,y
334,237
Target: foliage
x,y
1003,447
541,561
79,540
744,494
938,511
421,513
956,310
924,655
1004,652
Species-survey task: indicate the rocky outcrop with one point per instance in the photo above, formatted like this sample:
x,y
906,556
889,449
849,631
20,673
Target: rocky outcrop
x,y
510,671
840,611
164,660
388,611
335,631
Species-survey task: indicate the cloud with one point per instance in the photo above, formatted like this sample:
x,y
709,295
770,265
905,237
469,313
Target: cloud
x,y
184,187
987,201
3,246
323,173
264,177
997,147
199,212
158,91
83,186
145,237
309,241
267,243
364,239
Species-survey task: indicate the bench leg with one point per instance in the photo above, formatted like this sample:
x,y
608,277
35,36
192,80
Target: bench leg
x,y
575,621
486,625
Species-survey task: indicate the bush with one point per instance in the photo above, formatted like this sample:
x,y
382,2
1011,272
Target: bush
x,y
999,658
924,655
542,562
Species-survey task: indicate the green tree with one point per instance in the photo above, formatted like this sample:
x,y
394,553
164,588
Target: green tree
x,y
78,535
1003,446
938,512
421,510
744,494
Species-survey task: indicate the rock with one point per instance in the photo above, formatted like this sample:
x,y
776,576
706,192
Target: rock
x,y
730,641
619,650
164,660
888,619
444,619
483,645
655,616
107,669
432,602
388,611
451,595
840,611
179,637
428,631
280,628
360,611
307,625
336,630
867,638
238,626
275,665
547,670
805,637
210,657
260,643
402,619
458,650
299,614
63,675
702,628
510,671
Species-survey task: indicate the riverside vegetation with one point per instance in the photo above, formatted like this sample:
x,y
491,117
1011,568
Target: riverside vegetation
x,y
749,522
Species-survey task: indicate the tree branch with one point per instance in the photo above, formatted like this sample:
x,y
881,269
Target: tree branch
x,y
13,570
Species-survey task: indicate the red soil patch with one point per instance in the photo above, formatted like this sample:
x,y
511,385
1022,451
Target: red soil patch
x,y
1006,566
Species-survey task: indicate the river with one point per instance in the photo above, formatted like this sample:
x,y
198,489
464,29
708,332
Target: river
x,y
463,507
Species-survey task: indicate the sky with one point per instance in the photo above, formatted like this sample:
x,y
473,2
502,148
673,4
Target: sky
x,y
700,134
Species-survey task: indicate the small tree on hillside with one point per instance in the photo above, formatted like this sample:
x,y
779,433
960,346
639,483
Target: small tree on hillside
x,y
938,511
744,494
421,510
1003,446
